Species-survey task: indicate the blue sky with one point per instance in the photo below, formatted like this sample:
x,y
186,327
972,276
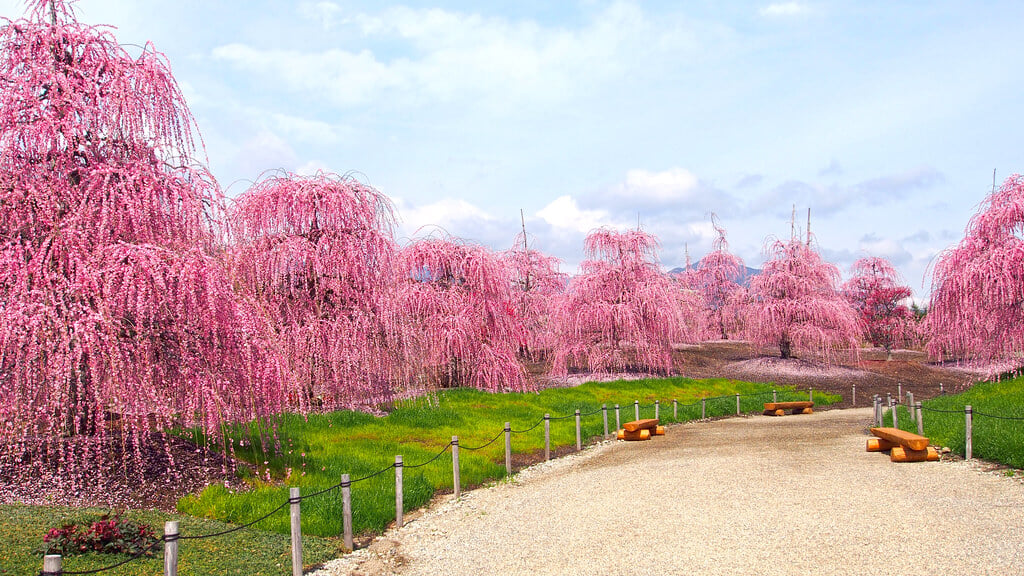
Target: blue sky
x,y
886,119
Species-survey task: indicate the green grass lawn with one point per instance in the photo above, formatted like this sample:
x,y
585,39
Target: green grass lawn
x,y
313,452
993,438
242,553
317,450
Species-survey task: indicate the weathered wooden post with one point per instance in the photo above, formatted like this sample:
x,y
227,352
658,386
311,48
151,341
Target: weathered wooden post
x,y
636,409
675,410
775,396
457,484
171,548
52,565
878,410
657,409
508,448
968,432
810,395
941,389
604,418
853,402
910,405
295,502
737,404
920,424
899,391
547,436
399,492
346,510
618,424
579,439
892,408
703,408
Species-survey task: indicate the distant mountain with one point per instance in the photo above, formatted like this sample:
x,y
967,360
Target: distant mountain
x,y
743,280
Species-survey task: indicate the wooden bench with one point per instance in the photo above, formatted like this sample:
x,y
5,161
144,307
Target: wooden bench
x,y
640,430
779,408
903,446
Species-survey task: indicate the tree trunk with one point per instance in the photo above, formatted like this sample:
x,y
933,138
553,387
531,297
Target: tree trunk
x,y
785,349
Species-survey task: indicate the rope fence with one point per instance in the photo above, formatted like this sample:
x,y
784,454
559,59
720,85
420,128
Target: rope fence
x,y
916,412
53,563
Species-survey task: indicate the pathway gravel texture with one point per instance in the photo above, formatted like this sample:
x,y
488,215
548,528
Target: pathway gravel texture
x,y
750,495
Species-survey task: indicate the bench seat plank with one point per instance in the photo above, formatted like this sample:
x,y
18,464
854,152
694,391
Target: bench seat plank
x,y
773,406
645,424
901,437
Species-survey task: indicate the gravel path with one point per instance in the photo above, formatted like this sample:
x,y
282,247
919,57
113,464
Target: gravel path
x,y
752,495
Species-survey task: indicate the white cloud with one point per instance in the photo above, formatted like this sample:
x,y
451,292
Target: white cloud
x,y
564,213
665,187
446,214
434,55
887,248
783,9
312,167
265,151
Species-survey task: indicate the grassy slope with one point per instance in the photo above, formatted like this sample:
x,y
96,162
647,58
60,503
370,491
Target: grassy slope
x,y
319,449
993,439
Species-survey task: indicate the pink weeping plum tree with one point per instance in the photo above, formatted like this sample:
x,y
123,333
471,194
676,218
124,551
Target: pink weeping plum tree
x,y
537,285
875,293
115,314
976,310
795,304
717,280
460,325
621,312
316,255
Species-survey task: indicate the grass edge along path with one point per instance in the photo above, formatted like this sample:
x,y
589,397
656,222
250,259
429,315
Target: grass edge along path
x,y
316,450
312,453
998,429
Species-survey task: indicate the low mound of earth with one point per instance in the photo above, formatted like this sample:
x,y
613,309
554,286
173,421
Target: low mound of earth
x,y
200,467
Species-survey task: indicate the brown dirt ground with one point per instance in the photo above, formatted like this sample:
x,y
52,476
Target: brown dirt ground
x,y
871,372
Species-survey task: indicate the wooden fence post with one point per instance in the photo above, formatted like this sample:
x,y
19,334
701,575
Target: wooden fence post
x,y
455,467
657,409
810,395
508,448
579,440
703,408
295,501
895,418
399,492
854,401
775,396
547,436
171,548
52,565
636,409
878,410
941,390
346,510
737,404
920,423
899,391
618,423
675,410
604,417
968,432
910,405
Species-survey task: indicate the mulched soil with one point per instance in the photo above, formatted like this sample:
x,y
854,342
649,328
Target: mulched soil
x,y
150,482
